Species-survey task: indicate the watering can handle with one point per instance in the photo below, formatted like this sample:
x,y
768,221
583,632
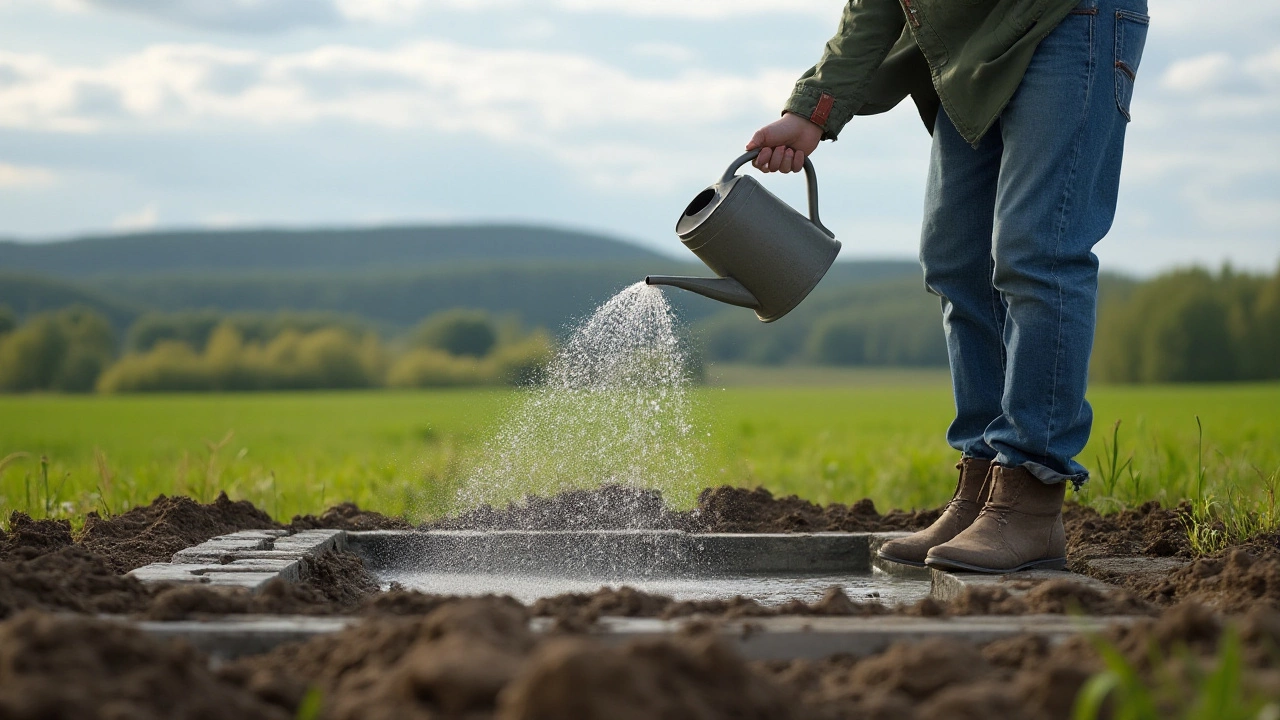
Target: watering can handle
x,y
809,174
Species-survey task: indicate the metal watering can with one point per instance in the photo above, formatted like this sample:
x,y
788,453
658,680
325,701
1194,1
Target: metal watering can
x,y
768,256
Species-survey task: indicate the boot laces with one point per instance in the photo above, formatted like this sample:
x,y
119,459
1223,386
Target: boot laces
x,y
999,510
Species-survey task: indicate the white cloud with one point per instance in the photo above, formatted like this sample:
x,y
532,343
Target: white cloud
x,y
144,219
265,16
500,94
1197,73
1195,18
1265,68
706,9
20,176
242,16
664,51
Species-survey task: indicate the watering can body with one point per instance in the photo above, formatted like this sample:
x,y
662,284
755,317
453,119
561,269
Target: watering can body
x,y
768,256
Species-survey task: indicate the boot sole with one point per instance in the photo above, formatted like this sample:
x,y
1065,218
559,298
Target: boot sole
x,y
900,561
1046,564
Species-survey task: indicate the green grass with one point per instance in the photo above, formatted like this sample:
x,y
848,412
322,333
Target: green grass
x,y
1176,686
869,435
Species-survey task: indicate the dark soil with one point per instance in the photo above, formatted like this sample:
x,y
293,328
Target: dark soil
x,y
29,538
729,509
1146,530
69,579
421,656
57,666
612,507
75,580
719,510
477,659
332,584
43,567
348,517
153,533
1232,581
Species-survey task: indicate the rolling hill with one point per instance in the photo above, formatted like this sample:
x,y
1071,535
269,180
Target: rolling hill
x,y
390,276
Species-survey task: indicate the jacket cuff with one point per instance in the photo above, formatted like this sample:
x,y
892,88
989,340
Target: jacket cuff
x,y
820,108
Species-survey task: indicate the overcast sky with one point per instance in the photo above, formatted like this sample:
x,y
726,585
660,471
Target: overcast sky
x,y
597,114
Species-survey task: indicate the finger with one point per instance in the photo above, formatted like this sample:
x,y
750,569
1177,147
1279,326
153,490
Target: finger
x,y
788,160
775,160
762,161
757,140
797,162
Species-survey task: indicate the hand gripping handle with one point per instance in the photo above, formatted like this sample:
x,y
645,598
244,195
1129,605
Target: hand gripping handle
x,y
810,176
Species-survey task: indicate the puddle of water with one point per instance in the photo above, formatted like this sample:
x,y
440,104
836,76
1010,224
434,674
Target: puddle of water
x,y
772,590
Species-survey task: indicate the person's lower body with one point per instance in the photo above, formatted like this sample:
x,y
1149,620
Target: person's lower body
x,y
1007,242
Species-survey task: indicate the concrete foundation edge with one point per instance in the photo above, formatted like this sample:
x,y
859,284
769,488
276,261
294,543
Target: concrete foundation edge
x,y
779,638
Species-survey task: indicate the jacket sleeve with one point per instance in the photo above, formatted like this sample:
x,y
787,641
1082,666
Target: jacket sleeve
x,y
832,91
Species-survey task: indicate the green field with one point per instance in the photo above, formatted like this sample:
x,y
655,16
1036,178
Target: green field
x,y
826,436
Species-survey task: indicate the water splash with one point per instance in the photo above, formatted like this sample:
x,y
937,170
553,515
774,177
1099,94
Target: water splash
x,y
615,410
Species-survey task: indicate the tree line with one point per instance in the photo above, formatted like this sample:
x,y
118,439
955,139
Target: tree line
x,y
75,350
1191,326
1184,326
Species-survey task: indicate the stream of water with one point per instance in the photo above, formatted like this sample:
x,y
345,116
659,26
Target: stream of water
x,y
615,409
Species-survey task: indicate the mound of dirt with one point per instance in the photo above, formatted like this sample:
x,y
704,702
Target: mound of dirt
x,y
68,667
476,659
1023,677
731,509
680,678
75,580
1146,530
155,532
348,516
578,611
612,507
722,509
452,661
332,584
1232,581
29,538
70,579
1054,597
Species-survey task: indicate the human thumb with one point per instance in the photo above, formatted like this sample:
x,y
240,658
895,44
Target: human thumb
x,y
758,140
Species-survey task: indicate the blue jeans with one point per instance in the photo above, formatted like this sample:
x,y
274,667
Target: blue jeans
x,y
1008,236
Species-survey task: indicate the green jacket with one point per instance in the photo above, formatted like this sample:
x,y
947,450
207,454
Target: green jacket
x,y
968,55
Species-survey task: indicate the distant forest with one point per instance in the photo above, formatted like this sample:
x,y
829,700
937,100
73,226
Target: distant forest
x,y
350,308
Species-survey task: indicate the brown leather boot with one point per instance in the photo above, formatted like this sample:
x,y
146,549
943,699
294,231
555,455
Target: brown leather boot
x,y
956,516
1019,528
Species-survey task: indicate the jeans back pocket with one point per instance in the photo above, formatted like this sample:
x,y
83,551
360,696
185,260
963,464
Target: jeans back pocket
x,y
1131,36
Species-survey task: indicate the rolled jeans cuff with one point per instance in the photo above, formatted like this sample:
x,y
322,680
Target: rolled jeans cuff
x,y
1045,474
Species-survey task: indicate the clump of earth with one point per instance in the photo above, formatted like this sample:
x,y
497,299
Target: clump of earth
x,y
419,655
477,659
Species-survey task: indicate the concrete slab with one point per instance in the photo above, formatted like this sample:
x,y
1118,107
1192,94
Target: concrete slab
x,y
248,559
229,638
1135,569
285,568
787,638
892,568
949,586
778,638
170,572
312,542
251,581
612,552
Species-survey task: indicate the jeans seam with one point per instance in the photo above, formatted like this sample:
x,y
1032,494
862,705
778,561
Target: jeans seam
x,y
1062,222
995,309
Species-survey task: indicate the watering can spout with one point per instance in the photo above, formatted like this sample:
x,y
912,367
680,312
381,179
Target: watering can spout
x,y
724,289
